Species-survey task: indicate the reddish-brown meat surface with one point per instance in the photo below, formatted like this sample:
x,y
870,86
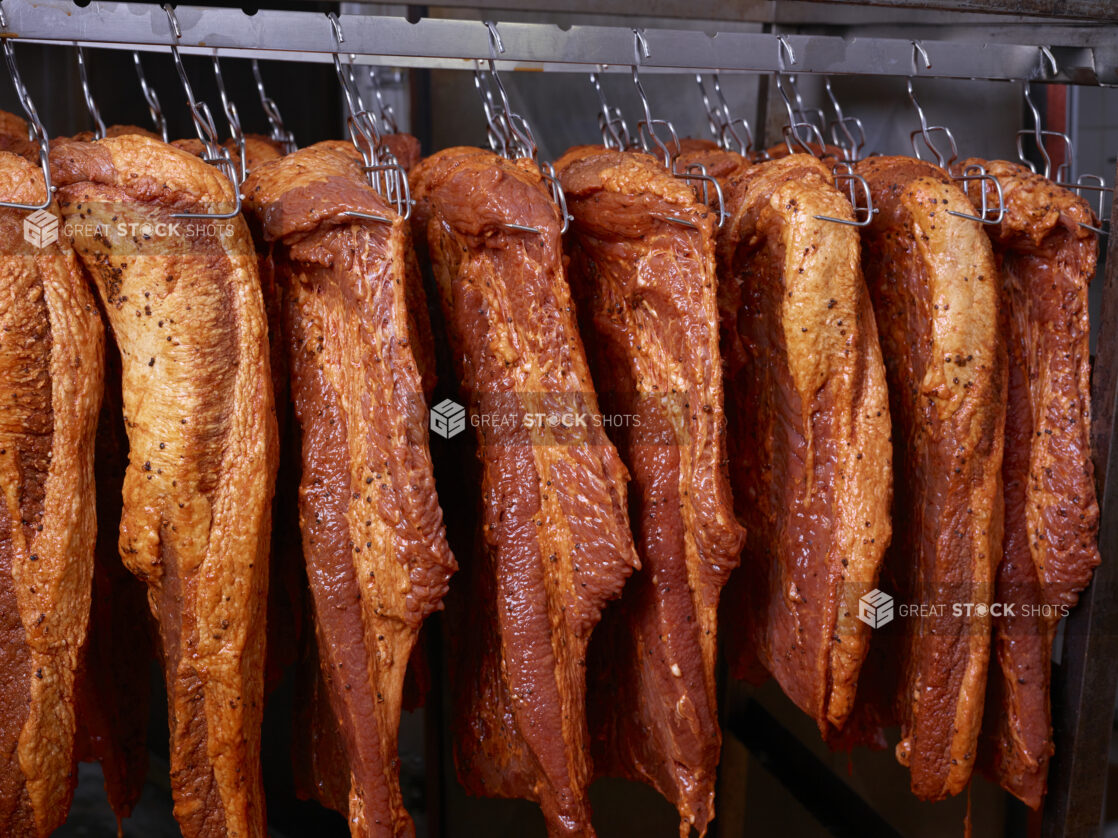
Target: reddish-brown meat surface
x,y
934,286
258,148
724,166
1051,515
14,138
828,154
810,455
318,759
405,148
51,374
114,681
554,545
373,537
112,131
646,294
185,307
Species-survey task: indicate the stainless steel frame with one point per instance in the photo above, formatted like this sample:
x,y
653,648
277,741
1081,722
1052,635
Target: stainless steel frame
x,y
457,44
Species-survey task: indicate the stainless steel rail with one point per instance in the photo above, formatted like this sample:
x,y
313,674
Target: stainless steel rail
x,y
307,36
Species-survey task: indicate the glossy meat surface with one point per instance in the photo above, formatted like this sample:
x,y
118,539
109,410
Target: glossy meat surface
x,y
935,291
554,544
810,454
51,374
1047,261
646,294
373,535
185,308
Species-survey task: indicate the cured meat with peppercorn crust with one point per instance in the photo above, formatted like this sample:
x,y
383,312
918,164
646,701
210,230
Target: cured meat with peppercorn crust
x,y
113,685
934,286
646,295
51,374
373,536
1051,513
810,452
319,772
184,303
285,617
555,544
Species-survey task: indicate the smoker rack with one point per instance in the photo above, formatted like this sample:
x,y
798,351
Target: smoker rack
x,y
829,38
457,44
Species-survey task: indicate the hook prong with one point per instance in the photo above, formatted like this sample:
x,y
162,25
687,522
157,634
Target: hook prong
x,y
784,51
919,51
1046,53
496,45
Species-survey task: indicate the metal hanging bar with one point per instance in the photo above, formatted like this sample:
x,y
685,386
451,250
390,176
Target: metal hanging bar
x,y
203,126
730,135
668,150
521,140
87,94
38,132
722,122
385,112
794,130
976,173
646,128
1067,169
842,171
813,116
280,133
698,172
229,107
858,191
382,170
363,132
715,118
494,126
1038,132
394,41
847,132
510,134
152,99
928,132
611,124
